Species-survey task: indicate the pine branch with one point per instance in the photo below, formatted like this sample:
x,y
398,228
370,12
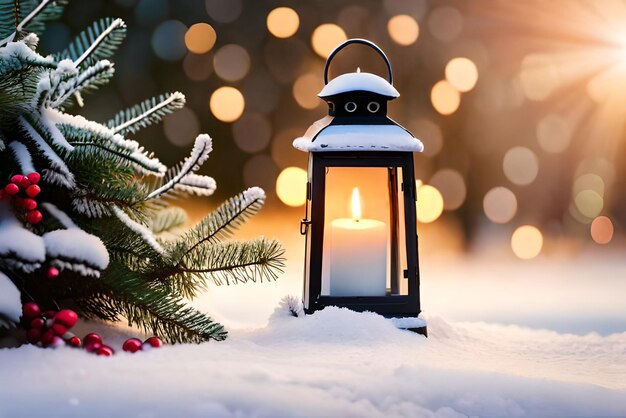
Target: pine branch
x,y
167,219
90,79
146,113
34,21
199,154
98,42
223,221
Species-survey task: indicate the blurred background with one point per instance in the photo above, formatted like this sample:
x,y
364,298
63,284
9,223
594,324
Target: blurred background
x,y
520,106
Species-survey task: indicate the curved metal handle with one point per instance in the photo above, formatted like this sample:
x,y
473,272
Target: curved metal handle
x,y
362,42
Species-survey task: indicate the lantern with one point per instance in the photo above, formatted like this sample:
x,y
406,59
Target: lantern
x,y
360,221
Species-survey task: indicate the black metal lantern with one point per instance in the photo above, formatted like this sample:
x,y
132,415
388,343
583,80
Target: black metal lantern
x,y
360,222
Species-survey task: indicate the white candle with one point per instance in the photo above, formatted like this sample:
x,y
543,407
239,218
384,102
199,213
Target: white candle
x,y
358,255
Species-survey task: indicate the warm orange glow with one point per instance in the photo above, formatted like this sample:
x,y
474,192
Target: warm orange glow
x,y
602,230
326,37
227,104
403,29
291,186
356,204
445,98
305,90
462,73
283,22
527,242
429,203
200,38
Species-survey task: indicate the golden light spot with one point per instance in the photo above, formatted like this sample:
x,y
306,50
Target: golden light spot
x,y
327,37
589,181
589,203
462,73
429,203
452,187
527,242
305,90
200,38
539,76
231,62
227,104
403,29
520,165
283,22
553,134
291,186
500,205
445,98
602,230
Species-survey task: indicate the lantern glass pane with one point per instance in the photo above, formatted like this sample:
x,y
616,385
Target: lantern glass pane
x,y
364,252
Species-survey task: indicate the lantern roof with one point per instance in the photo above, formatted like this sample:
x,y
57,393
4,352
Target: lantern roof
x,y
324,136
359,82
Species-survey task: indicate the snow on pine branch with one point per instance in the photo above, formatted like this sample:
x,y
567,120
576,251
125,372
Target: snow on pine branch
x,y
16,56
39,12
146,113
199,154
76,250
58,173
197,184
61,216
22,156
19,248
139,229
97,42
10,302
83,133
92,77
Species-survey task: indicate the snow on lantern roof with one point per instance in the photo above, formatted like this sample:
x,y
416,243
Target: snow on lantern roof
x,y
358,138
359,82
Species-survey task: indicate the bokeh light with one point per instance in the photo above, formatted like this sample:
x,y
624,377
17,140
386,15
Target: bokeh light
x,y
589,203
403,29
181,127
326,37
200,38
539,76
198,67
168,40
283,22
291,186
445,23
554,134
527,242
224,11
462,73
520,165
227,104
452,187
252,132
445,98
589,181
602,230
231,62
305,90
429,203
500,205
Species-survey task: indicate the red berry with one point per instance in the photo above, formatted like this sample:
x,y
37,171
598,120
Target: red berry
x,y
92,347
132,345
37,323
33,335
52,272
11,189
154,342
33,217
17,178
31,310
92,338
47,337
34,177
29,204
105,350
49,314
66,317
33,190
74,341
24,183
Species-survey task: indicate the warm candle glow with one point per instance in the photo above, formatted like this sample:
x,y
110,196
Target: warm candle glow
x,y
356,204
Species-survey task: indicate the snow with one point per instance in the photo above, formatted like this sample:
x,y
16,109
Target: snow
x,y
253,193
77,249
22,156
359,138
58,139
10,304
19,242
335,363
139,229
61,216
359,82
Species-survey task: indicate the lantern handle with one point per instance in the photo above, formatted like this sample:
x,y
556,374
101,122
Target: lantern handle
x,y
362,42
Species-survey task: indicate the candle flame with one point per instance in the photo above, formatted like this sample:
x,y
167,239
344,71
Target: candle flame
x,y
356,204
358,69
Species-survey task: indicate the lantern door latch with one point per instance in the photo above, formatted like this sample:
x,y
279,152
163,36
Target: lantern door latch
x,y
304,226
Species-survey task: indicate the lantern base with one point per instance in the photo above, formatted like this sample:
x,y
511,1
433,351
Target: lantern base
x,y
414,324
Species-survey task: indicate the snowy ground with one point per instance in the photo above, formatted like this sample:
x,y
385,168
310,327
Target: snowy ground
x,y
488,357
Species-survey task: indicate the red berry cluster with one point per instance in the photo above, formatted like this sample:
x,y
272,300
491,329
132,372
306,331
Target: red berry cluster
x,y
22,191
51,329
